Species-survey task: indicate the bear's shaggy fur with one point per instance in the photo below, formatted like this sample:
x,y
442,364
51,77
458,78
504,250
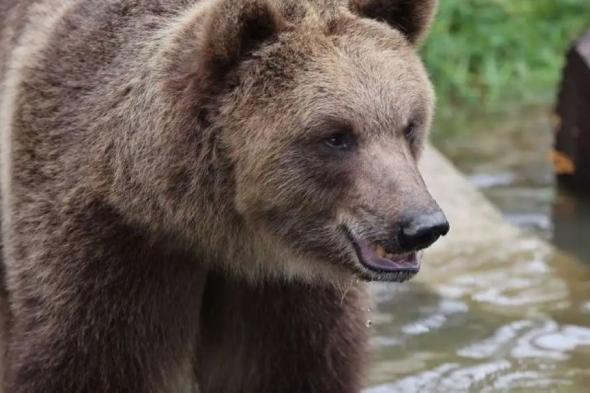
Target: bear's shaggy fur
x,y
180,182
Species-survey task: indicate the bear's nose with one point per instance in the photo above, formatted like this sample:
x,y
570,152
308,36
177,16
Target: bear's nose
x,y
423,230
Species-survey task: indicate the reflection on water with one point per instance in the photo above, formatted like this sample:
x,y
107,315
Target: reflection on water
x,y
505,315
572,224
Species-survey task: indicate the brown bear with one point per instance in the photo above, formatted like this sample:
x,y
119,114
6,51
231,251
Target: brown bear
x,y
195,191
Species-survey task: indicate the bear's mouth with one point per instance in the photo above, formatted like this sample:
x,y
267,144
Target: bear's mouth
x,y
393,267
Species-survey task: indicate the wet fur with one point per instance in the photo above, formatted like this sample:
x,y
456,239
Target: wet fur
x,y
147,247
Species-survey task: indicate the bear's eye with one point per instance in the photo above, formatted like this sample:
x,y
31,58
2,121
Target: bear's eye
x,y
340,140
410,131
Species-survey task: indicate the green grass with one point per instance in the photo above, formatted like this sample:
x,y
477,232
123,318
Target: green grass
x,y
493,54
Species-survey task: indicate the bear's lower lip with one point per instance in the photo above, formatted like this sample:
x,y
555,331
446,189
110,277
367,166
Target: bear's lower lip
x,y
408,262
402,266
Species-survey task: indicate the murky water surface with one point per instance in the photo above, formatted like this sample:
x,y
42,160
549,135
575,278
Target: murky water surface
x,y
509,317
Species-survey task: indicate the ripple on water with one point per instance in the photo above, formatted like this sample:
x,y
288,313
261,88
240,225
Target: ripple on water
x,y
545,340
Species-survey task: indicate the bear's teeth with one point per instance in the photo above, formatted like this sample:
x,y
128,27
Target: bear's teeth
x,y
380,251
390,256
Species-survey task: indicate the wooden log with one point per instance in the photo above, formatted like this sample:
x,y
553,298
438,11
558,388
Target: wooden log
x,y
572,146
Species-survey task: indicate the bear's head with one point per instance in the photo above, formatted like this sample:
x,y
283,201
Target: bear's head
x,y
309,118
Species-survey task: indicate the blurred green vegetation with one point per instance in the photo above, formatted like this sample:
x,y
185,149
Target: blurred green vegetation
x,y
495,54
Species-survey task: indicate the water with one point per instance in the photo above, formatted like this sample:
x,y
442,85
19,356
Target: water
x,y
507,158
495,311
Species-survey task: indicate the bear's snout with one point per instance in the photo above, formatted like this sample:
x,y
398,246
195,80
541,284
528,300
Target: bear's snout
x,y
388,243
421,231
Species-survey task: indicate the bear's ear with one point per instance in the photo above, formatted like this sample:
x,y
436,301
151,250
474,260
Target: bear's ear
x,y
411,17
236,28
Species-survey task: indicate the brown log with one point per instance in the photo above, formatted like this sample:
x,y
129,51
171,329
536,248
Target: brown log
x,y
572,146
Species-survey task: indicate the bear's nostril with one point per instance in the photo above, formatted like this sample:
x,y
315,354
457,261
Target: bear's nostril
x,y
423,230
